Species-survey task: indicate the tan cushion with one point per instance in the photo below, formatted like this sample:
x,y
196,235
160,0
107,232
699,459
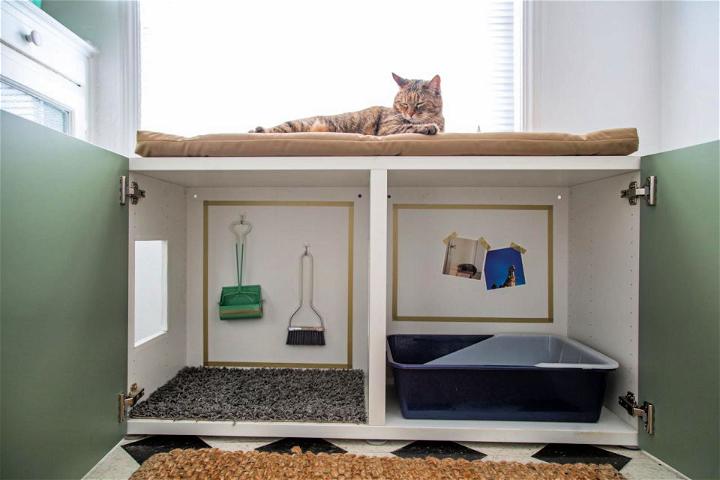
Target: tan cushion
x,y
618,141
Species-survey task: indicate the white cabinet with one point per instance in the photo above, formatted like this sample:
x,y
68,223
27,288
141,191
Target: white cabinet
x,y
44,59
583,191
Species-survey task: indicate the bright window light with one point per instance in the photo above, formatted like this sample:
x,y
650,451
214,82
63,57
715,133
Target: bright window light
x,y
150,290
229,66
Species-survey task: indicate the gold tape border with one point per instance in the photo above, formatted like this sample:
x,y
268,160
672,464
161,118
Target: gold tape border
x,y
279,203
441,206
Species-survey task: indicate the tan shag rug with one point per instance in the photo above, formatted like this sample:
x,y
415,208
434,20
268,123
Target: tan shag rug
x,y
206,464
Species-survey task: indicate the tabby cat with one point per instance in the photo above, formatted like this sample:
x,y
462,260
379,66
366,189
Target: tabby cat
x,y
417,109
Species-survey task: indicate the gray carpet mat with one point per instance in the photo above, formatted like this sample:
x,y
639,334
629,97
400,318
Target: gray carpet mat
x,y
258,394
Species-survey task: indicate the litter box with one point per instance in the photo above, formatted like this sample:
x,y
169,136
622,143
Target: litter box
x,y
498,377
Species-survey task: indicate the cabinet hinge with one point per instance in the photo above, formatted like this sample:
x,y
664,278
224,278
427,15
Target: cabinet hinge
x,y
128,400
648,191
646,411
130,190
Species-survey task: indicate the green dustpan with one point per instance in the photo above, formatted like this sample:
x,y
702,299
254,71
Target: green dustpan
x,y
240,301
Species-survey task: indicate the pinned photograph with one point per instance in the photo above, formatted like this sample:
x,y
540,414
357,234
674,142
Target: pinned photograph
x,y
464,257
504,268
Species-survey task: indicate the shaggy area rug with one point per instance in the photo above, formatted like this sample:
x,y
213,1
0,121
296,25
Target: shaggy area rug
x,y
217,464
258,394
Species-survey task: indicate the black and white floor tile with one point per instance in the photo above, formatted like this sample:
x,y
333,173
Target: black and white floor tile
x,y
568,453
145,448
314,445
422,449
124,459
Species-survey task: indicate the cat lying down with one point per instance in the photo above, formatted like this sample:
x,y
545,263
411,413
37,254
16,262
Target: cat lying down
x,y
417,109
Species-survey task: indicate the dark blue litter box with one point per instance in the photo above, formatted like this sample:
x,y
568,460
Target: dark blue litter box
x,y
498,377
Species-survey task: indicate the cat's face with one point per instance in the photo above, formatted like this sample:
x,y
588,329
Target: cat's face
x,y
418,101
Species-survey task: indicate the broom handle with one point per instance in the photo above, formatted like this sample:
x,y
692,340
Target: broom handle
x,y
302,287
312,285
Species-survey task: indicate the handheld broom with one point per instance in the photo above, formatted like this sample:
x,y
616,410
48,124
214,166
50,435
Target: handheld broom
x,y
306,335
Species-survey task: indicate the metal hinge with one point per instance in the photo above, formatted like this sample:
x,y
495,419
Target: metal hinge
x,y
128,400
646,411
130,190
648,190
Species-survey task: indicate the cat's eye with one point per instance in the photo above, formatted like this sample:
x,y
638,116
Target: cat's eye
x,y
420,105
404,105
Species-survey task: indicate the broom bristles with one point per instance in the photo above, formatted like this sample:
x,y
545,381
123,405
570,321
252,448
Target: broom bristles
x,y
306,337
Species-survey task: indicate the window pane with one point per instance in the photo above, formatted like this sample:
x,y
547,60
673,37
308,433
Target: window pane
x,y
150,290
26,105
229,66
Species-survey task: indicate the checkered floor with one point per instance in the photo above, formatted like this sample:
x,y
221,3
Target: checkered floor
x,y
124,459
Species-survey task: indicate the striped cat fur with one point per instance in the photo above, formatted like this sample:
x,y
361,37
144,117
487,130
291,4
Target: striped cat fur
x,y
417,109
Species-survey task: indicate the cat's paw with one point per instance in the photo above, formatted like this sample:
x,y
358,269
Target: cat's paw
x,y
257,130
430,129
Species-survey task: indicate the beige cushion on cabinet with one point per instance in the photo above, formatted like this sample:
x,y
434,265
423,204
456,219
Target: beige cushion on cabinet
x,y
618,141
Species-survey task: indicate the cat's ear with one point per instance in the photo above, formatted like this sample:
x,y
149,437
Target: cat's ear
x,y
435,83
399,80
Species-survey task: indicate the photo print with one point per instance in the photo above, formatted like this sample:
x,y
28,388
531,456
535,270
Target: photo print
x,y
504,268
464,257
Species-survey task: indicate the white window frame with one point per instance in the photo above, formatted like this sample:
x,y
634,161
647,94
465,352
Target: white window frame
x,y
69,112
131,81
31,77
524,66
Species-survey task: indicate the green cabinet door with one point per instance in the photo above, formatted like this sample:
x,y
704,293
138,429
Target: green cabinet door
x,y
679,314
63,254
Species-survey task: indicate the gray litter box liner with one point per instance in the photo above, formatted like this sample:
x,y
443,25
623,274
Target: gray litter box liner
x,y
259,394
528,350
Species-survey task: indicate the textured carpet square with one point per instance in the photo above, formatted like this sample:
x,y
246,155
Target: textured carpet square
x,y
259,394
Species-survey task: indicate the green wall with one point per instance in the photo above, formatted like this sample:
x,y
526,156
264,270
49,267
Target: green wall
x,y
63,303
95,21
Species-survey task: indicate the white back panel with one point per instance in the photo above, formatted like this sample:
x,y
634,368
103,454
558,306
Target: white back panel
x,y
275,240
482,195
603,278
421,254
272,253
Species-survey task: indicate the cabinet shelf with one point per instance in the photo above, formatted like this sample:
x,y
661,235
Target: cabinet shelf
x,y
548,171
609,430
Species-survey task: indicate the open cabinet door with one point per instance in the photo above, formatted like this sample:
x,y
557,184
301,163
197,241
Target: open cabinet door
x,y
64,301
679,315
